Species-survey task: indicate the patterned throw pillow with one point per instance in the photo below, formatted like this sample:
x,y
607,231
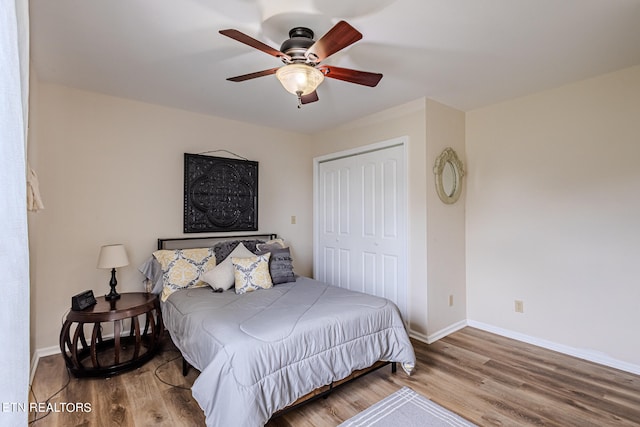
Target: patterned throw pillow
x,y
252,273
182,268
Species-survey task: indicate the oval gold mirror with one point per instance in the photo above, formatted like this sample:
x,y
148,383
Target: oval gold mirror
x,y
449,171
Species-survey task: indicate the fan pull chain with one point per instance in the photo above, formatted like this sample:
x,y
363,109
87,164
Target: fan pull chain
x,y
299,93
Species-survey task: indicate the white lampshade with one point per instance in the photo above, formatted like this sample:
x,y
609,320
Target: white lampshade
x,y
299,79
112,256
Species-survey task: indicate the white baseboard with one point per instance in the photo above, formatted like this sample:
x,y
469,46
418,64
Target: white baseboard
x,y
591,356
37,355
418,336
431,338
446,331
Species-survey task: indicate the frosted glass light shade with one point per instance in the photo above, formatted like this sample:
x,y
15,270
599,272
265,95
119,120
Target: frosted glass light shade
x,y
112,256
299,79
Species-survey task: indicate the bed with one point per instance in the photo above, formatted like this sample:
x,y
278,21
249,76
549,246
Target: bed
x,y
261,352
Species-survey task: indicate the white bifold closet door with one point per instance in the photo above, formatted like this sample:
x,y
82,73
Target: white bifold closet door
x,y
361,223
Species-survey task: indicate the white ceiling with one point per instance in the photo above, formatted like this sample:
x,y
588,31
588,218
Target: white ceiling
x,y
463,53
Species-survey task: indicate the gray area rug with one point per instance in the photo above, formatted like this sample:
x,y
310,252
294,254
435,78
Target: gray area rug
x,y
406,408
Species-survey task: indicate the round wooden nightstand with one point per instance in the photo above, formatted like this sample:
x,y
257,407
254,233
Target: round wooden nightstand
x,y
101,357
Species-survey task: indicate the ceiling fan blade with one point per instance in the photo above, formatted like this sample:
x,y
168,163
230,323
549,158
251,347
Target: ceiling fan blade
x,y
353,76
337,38
253,75
250,41
312,97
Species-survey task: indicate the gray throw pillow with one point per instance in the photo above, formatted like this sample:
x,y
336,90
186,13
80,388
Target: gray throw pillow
x,y
152,271
223,249
280,266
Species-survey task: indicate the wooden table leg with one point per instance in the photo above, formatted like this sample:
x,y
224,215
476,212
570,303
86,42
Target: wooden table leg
x,y
116,341
65,342
135,327
74,344
94,341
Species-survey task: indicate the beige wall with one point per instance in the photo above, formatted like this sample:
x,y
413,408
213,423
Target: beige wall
x,y
111,171
553,215
430,127
445,225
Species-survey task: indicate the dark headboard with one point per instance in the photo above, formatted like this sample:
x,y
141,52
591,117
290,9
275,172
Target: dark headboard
x,y
207,241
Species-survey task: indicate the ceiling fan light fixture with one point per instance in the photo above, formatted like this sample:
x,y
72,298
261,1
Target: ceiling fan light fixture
x,y
299,79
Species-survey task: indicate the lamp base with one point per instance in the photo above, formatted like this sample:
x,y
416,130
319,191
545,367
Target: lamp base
x,y
113,295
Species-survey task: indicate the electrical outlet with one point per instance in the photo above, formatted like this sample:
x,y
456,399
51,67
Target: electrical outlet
x,y
450,300
519,305
293,219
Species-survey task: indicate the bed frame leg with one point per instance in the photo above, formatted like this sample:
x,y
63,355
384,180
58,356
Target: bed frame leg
x,y
394,368
185,367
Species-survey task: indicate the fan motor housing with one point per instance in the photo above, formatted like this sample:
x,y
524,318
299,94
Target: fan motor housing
x,y
300,39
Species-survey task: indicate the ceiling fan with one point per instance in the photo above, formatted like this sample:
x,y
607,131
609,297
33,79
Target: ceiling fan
x,y
303,72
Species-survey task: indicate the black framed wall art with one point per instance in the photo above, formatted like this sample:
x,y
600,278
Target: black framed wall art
x,y
220,194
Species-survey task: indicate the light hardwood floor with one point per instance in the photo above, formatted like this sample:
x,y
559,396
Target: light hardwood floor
x,y
490,380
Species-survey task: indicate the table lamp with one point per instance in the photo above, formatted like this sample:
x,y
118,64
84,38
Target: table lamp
x,y
112,256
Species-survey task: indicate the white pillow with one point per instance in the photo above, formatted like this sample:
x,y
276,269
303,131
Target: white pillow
x,y
222,276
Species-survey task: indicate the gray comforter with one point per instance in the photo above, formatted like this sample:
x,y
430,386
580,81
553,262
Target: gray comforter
x,y
259,352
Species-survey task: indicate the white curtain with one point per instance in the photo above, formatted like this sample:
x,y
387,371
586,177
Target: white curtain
x,y
14,250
